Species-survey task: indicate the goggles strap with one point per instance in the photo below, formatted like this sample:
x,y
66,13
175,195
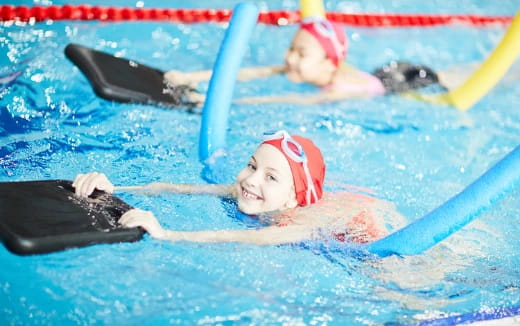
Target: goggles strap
x,y
310,185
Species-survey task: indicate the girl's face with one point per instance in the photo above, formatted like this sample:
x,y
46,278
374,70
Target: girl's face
x,y
266,184
307,62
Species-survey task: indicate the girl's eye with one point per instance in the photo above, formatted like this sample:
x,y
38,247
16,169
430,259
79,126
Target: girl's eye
x,y
251,166
271,178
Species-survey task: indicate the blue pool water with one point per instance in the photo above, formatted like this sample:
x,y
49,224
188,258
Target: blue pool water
x,y
413,154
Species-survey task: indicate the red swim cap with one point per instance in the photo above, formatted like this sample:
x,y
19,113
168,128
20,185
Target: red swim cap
x,y
331,36
306,163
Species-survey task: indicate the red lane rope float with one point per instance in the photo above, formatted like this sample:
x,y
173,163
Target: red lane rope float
x,y
277,17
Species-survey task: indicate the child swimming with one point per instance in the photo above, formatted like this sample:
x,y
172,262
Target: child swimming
x,y
316,56
282,185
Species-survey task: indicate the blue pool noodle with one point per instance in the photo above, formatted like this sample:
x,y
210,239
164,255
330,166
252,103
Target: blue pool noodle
x,y
220,90
455,213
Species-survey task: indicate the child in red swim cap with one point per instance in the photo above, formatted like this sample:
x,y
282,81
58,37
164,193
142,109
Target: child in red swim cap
x,y
317,56
283,183
291,163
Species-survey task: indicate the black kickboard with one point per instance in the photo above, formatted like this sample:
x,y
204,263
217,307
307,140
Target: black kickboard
x,y
126,81
39,217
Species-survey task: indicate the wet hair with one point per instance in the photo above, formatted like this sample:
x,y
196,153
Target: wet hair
x,y
399,76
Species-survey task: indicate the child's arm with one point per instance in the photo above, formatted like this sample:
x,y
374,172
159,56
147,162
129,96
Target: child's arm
x,y
177,77
456,76
271,235
180,188
250,73
319,98
85,184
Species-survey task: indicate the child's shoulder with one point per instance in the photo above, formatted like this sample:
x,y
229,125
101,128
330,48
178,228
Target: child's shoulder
x,y
362,213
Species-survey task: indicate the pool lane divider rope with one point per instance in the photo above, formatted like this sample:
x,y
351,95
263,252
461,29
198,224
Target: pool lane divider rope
x,y
273,17
458,211
214,123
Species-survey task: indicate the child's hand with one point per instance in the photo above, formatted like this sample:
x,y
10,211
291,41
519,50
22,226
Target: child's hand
x,y
85,184
145,219
153,189
195,97
179,78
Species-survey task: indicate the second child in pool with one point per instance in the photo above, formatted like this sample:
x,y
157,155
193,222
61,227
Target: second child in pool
x,y
316,56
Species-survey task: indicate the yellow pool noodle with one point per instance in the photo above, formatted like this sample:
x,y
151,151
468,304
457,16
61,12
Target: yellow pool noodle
x,y
485,77
312,8
491,71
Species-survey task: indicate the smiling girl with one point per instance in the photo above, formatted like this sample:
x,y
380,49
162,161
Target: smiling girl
x,y
282,184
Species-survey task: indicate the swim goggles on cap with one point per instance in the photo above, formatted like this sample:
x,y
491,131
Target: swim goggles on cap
x,y
324,28
297,154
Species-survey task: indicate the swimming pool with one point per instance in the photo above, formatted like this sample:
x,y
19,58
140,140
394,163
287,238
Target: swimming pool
x,y
413,154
